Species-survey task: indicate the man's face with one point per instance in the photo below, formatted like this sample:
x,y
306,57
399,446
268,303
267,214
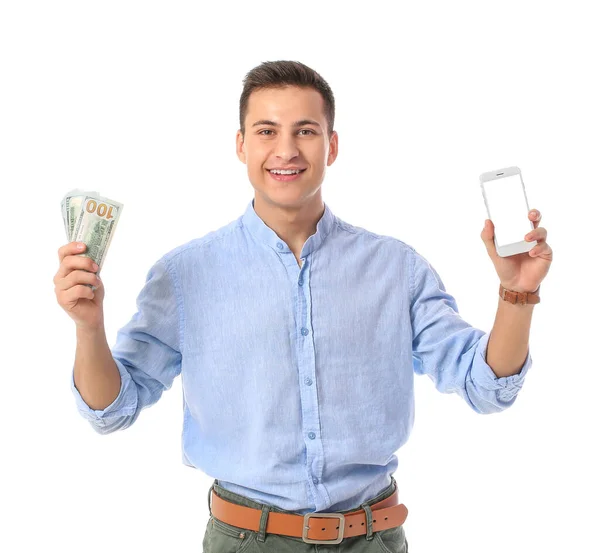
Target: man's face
x,y
274,139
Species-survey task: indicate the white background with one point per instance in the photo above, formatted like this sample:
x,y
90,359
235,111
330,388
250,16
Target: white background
x,y
139,100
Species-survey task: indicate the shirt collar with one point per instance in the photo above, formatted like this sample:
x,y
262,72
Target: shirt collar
x,y
266,235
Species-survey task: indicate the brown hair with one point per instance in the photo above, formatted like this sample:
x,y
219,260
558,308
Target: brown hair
x,y
279,74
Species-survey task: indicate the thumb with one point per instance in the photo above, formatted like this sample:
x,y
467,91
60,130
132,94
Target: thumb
x,y
487,235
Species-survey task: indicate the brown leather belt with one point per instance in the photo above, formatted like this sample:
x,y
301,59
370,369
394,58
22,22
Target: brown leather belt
x,y
312,527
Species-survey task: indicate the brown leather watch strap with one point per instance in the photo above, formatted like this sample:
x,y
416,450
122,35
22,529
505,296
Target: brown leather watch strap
x,y
332,527
519,297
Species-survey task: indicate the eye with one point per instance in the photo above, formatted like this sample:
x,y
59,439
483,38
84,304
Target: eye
x,y
310,131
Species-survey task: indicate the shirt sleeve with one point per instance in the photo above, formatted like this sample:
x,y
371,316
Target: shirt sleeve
x,y
452,352
146,352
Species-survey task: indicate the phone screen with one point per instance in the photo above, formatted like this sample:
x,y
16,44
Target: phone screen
x,y
507,209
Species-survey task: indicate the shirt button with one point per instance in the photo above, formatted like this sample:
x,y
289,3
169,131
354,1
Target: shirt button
x,y
308,381
311,435
304,331
300,282
315,480
280,245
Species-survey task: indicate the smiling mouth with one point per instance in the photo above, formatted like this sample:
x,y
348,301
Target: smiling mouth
x,y
285,177
294,173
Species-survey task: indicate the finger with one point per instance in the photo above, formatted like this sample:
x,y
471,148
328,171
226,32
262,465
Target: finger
x,y
536,217
72,248
540,249
73,294
73,262
77,277
540,234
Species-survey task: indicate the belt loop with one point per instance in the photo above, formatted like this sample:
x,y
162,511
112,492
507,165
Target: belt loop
x,y
369,513
209,497
264,517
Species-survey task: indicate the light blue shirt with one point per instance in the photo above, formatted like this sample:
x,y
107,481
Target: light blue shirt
x,y
297,381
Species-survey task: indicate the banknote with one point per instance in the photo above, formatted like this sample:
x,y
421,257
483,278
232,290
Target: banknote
x,y
92,219
70,207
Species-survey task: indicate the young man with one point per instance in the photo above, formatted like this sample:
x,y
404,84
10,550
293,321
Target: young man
x,y
297,336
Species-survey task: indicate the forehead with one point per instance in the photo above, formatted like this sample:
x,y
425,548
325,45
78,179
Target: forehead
x,y
285,104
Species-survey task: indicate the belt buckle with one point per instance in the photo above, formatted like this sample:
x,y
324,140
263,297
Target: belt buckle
x,y
305,529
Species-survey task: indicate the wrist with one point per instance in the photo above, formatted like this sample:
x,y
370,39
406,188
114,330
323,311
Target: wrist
x,y
89,331
519,297
520,289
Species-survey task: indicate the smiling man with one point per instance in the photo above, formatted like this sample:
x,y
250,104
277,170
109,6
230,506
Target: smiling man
x,y
287,145
297,336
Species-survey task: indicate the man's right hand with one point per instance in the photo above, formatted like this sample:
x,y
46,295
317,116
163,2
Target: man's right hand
x,y
80,302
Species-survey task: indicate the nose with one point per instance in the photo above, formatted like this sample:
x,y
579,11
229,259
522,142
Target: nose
x,y
286,147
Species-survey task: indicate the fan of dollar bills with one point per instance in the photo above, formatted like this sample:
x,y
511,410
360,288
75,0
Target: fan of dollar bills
x,y
91,219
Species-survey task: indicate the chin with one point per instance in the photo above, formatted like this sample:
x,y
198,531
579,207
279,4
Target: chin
x,y
284,196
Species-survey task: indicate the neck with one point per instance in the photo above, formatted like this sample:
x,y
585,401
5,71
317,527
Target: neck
x,y
294,225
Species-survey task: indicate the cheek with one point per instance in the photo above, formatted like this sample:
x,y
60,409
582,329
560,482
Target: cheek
x,y
255,165
319,154
319,161
255,159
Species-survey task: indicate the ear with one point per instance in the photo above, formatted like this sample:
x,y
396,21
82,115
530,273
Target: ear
x,y
333,148
240,148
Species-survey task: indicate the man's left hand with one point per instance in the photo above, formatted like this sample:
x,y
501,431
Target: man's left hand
x,y
522,272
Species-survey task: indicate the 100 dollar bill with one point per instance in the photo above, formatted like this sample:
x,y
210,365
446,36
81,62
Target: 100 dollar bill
x,y
95,226
70,207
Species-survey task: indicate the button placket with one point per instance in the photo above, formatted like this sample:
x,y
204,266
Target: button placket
x,y
308,393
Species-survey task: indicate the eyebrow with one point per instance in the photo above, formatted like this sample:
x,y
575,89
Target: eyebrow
x,y
296,124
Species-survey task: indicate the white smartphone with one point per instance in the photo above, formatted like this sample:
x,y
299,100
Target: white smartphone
x,y
506,202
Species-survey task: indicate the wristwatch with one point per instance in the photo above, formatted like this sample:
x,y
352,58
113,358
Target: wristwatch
x,y
519,297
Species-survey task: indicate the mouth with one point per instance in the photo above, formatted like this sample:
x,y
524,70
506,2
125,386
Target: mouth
x,y
285,176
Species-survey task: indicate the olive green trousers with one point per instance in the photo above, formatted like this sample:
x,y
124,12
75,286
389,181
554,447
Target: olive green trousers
x,y
221,537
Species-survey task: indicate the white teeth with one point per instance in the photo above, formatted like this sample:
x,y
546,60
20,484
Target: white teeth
x,y
285,172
